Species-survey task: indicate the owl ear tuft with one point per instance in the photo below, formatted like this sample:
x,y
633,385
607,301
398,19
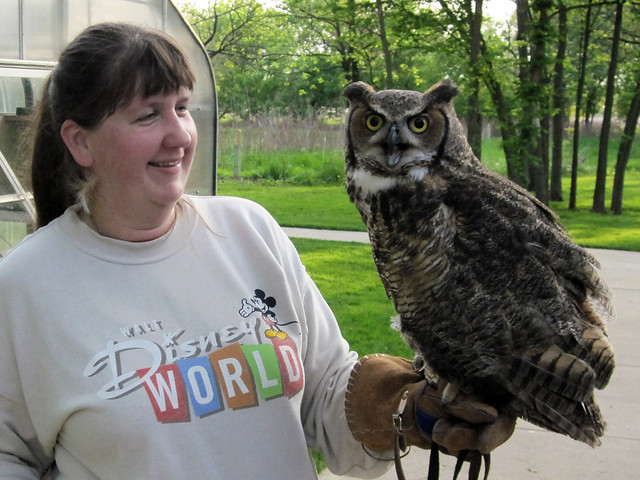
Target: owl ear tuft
x,y
358,91
443,92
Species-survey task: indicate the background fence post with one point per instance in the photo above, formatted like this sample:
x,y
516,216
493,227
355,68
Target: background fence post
x,y
237,162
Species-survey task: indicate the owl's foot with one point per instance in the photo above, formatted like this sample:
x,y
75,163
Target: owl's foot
x,y
420,364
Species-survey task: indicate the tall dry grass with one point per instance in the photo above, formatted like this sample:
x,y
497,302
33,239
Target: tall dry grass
x,y
281,133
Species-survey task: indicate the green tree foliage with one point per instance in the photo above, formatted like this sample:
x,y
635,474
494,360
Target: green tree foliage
x,y
264,60
296,56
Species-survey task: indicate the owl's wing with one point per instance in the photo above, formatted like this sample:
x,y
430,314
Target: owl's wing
x,y
574,264
523,224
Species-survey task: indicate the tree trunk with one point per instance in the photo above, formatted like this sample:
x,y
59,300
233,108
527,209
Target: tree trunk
x,y
540,34
527,130
541,171
505,119
504,111
555,193
601,174
350,65
624,150
474,117
386,51
576,124
507,128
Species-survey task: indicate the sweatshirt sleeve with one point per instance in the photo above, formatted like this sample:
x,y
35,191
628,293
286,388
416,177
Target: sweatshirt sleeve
x,y
21,454
328,366
328,363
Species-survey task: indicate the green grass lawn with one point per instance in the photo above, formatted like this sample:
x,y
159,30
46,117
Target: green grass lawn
x,y
305,189
620,232
328,206
347,277
319,206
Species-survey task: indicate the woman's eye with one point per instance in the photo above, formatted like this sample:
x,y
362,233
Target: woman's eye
x,y
374,122
418,124
147,117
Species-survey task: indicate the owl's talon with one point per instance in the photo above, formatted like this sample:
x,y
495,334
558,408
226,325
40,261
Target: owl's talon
x,y
449,393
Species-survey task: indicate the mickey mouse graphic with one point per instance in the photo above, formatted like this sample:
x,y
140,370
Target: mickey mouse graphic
x,y
263,304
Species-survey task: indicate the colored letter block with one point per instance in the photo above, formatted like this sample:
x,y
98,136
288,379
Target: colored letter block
x,y
290,365
266,372
202,385
233,372
166,392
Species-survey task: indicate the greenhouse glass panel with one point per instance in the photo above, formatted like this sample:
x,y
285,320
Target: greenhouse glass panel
x,y
42,29
9,30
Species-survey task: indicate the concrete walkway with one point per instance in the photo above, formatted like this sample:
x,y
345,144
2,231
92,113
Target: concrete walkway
x,y
534,454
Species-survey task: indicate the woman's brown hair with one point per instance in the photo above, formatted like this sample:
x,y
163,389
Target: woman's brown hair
x,y
104,68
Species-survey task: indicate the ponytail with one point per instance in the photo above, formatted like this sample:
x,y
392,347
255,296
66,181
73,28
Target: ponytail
x,y
55,176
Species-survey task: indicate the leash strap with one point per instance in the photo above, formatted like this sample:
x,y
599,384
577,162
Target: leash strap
x,y
434,462
397,460
426,423
475,461
475,464
400,444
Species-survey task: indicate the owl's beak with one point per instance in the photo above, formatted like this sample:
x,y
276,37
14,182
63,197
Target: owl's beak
x,y
394,153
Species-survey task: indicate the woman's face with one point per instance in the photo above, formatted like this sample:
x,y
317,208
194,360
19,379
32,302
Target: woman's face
x,y
142,153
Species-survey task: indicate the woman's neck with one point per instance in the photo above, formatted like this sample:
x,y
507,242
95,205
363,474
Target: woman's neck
x,y
124,226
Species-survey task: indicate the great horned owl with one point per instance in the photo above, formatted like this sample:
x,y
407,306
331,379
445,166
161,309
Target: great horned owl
x,y
488,287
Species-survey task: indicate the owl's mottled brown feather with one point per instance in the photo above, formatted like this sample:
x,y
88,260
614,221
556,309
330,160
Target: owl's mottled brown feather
x,y
489,288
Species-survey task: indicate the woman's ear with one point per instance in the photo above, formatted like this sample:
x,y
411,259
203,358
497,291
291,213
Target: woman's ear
x,y
75,138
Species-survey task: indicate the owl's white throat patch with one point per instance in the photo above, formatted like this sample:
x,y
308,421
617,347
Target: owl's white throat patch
x,y
419,173
371,183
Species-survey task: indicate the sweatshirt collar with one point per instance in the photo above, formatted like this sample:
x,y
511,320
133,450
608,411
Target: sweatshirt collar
x,y
113,250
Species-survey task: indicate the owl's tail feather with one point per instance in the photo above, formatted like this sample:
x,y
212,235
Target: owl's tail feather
x,y
600,354
555,391
593,412
585,425
555,373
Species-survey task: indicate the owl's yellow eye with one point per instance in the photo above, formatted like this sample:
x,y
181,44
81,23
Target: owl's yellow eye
x,y
418,124
374,122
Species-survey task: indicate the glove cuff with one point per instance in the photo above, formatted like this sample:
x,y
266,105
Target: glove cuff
x,y
375,407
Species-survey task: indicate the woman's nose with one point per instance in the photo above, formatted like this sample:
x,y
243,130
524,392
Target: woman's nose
x,y
180,132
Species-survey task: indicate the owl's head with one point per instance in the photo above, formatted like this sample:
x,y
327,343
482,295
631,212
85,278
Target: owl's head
x,y
399,133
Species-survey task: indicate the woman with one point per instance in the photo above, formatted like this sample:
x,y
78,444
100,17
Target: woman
x,y
134,337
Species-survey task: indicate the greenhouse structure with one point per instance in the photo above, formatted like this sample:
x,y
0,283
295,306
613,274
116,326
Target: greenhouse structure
x,y
32,35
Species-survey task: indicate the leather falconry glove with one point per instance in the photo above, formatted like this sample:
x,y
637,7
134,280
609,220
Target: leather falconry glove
x,y
390,405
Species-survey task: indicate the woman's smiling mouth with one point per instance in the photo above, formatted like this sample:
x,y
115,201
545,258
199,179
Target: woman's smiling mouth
x,y
172,163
